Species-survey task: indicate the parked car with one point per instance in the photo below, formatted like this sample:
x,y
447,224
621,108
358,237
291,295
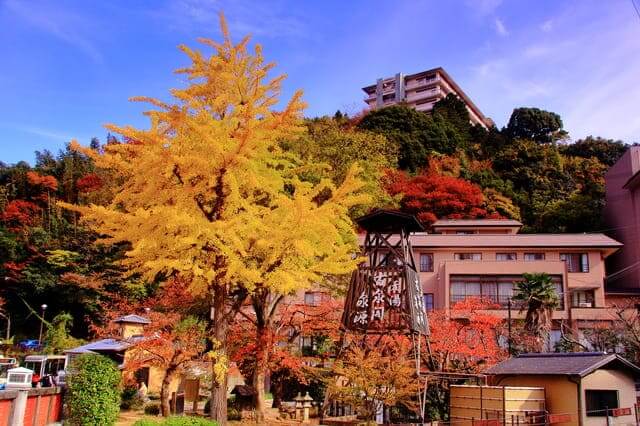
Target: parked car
x,y
30,345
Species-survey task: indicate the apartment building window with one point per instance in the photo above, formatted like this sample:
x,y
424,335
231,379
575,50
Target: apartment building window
x,y
531,257
388,98
598,401
495,289
506,256
426,262
582,299
315,298
467,256
576,262
428,302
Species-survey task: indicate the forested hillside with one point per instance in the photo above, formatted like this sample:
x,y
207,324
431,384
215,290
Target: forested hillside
x,y
435,166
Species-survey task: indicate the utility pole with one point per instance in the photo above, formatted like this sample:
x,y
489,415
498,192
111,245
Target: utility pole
x,y
44,308
8,318
509,325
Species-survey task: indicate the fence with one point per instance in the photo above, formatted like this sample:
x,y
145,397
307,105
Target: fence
x,y
30,407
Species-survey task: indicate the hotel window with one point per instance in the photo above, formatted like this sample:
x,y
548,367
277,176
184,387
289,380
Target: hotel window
x,y
496,289
506,256
428,302
467,256
598,401
530,257
576,262
582,299
426,262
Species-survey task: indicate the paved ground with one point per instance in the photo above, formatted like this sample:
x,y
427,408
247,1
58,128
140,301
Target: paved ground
x,y
128,418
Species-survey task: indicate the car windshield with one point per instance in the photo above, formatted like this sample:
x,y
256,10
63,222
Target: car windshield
x,y
34,366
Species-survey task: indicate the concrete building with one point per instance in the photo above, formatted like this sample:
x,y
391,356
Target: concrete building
x,y
420,91
622,217
581,387
483,258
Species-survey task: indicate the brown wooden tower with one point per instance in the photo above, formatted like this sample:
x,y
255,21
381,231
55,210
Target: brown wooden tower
x,y
385,294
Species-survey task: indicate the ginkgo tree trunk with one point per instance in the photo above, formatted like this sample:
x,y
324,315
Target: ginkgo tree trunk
x,y
207,194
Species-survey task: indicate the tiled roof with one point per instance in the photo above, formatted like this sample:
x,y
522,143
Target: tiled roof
x,y
514,240
134,319
566,364
476,222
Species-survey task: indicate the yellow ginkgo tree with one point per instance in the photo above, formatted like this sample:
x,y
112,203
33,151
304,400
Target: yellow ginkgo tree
x,y
206,192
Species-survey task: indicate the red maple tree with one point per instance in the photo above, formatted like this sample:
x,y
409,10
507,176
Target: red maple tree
x,y
468,341
274,346
19,214
170,342
431,196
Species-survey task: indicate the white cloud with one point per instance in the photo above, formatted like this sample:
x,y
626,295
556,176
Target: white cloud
x,y
39,131
547,26
500,28
585,69
64,25
483,7
264,19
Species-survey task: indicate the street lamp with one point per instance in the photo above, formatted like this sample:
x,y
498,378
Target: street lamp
x,y
44,308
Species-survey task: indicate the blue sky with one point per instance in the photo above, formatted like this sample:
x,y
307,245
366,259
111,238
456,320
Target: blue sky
x,y
68,67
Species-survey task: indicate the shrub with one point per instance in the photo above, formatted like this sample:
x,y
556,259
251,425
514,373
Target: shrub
x,y
93,397
129,399
233,414
152,409
146,422
177,421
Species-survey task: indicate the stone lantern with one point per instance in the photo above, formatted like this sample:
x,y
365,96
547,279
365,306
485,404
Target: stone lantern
x,y
306,405
298,399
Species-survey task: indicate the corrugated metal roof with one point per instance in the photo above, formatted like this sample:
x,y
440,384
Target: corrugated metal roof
x,y
514,240
134,319
566,364
476,222
104,345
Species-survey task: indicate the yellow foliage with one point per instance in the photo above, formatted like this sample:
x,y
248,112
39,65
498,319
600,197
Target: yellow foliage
x,y
207,193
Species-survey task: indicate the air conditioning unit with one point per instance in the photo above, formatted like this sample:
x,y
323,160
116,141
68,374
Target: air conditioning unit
x,y
585,305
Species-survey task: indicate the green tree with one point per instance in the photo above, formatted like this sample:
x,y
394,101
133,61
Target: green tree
x,y
538,297
607,151
57,338
535,124
93,394
416,133
455,112
329,149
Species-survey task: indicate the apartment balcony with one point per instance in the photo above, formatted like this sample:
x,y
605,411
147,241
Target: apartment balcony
x,y
415,83
433,92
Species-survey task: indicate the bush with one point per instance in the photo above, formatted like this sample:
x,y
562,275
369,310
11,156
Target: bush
x,y
152,409
129,399
177,421
233,414
93,397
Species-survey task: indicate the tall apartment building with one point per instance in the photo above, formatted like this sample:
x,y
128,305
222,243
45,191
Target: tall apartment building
x,y
622,218
420,91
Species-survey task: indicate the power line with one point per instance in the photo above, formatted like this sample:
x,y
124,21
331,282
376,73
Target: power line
x,y
636,8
